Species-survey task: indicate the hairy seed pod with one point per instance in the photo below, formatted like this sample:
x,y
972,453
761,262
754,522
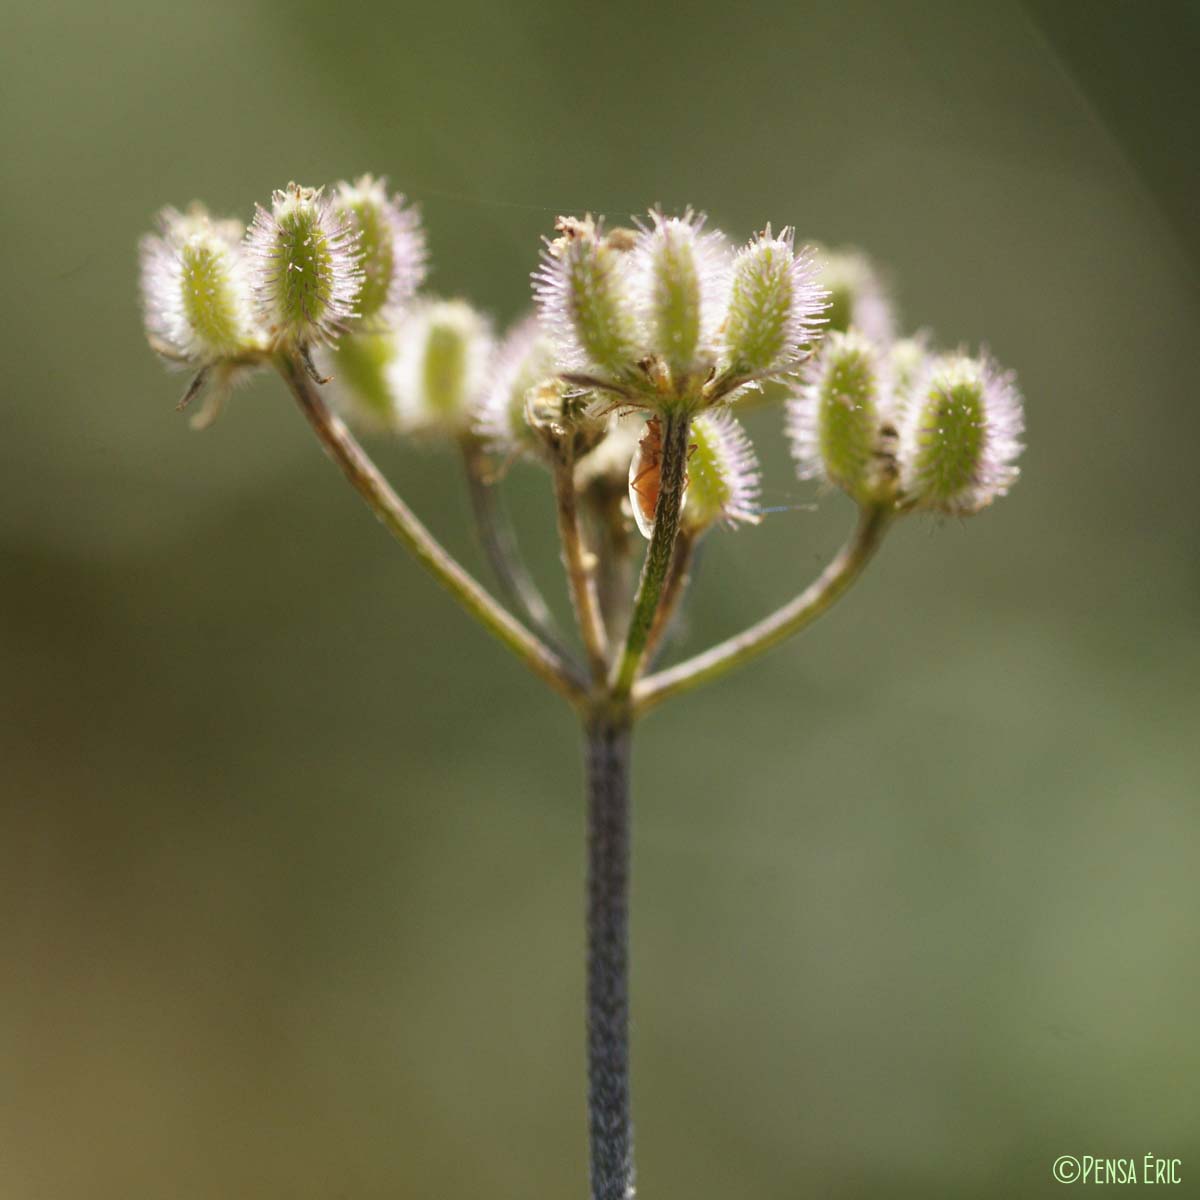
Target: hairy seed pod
x,y
440,369
905,364
195,290
681,285
857,296
583,298
775,306
305,269
837,419
723,474
391,245
360,363
960,437
524,360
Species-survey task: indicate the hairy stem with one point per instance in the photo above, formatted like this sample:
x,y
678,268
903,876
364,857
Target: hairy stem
x,y
499,544
672,473
781,624
396,516
673,591
610,1123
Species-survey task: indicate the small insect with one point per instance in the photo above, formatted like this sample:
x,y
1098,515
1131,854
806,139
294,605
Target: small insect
x,y
645,475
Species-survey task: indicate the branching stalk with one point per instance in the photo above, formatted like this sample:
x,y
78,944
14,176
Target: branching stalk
x,y
499,544
580,577
344,449
781,624
610,534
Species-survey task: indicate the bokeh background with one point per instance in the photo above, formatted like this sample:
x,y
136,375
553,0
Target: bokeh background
x,y
291,854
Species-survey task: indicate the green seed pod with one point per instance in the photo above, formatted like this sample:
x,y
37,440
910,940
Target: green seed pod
x,y
440,369
305,268
906,362
835,420
195,293
680,281
391,245
775,306
360,364
582,294
857,296
960,437
524,360
723,474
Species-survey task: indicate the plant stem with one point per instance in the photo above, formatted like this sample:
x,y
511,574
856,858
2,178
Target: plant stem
x,y
783,623
499,544
609,531
673,591
672,473
399,519
579,573
610,1124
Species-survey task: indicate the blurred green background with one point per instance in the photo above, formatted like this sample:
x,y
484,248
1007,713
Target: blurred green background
x,y
291,854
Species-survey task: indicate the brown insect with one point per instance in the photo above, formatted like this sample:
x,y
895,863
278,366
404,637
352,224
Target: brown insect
x,y
645,475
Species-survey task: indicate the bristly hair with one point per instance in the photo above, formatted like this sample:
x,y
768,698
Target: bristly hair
x,y
392,246
440,370
523,359
777,305
195,291
305,266
804,421
961,435
581,290
858,296
724,475
680,276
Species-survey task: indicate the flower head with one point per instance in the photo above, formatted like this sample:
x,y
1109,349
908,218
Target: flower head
x,y
391,244
839,418
195,292
305,268
775,306
858,298
961,435
440,367
723,474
